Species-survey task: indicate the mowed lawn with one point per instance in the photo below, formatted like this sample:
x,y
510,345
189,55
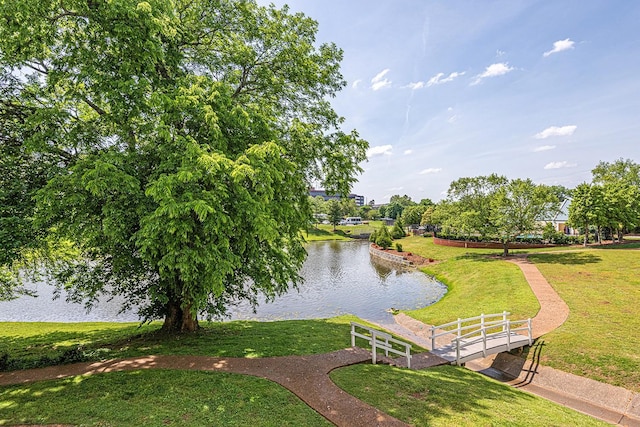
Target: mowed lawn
x,y
601,338
443,396
601,286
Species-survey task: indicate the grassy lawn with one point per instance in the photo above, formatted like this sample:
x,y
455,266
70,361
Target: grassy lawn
x,y
156,398
599,339
342,232
477,284
30,343
601,286
452,396
444,396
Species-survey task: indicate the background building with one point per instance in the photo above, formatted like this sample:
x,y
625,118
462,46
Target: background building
x,y
322,193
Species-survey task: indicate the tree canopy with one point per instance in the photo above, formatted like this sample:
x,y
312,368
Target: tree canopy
x,y
177,139
493,206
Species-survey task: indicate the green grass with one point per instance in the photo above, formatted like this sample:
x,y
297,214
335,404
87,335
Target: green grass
x,y
342,232
452,396
30,342
599,339
600,285
476,283
166,397
156,398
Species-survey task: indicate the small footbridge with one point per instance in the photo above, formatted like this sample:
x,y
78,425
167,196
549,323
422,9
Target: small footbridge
x,y
475,337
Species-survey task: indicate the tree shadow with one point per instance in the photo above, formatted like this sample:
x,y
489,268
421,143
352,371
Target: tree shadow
x,y
221,339
445,390
566,258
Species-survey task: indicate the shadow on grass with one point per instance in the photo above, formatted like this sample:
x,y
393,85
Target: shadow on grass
x,y
222,339
625,245
566,258
155,398
423,397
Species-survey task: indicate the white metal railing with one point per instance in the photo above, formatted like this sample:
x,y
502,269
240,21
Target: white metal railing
x,y
379,340
489,326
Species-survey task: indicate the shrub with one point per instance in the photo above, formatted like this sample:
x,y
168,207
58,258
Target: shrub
x,y
383,238
399,247
397,232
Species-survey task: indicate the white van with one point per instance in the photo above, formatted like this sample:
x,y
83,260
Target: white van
x,y
352,220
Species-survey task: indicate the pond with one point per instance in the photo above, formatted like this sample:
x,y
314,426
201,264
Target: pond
x,y
340,278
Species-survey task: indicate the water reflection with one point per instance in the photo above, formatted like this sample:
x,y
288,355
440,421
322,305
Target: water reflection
x,y
340,278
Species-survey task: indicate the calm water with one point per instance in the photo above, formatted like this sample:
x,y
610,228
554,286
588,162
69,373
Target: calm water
x,y
340,278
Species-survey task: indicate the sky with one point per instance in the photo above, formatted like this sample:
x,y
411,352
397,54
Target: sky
x,y
448,89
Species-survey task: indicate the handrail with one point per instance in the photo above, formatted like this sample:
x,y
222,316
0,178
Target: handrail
x,y
481,331
375,341
461,327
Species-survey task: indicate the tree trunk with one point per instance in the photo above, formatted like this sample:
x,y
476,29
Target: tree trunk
x,y
505,246
586,235
179,319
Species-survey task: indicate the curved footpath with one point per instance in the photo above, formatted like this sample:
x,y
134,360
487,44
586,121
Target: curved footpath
x,y
613,404
305,376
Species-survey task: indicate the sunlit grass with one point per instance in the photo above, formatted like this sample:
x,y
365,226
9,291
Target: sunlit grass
x,y
452,396
33,341
476,283
156,398
599,339
600,285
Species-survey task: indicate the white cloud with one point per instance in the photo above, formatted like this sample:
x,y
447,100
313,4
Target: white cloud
x,y
356,83
407,152
544,148
380,150
560,165
379,81
430,171
556,131
559,46
438,78
500,53
493,70
416,85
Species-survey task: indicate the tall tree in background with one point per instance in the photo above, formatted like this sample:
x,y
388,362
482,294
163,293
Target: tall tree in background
x,y
620,182
188,133
587,209
334,210
519,207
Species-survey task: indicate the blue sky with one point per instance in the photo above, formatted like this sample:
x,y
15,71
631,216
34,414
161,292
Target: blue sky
x,y
449,89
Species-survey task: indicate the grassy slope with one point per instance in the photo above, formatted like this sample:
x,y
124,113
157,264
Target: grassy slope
x,y
477,283
203,398
599,339
452,396
600,285
156,398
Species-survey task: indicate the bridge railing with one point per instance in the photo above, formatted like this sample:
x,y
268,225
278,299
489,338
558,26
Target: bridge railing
x,y
380,340
477,329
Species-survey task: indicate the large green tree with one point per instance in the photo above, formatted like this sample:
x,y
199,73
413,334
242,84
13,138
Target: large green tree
x,y
495,207
587,209
188,133
519,207
620,181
